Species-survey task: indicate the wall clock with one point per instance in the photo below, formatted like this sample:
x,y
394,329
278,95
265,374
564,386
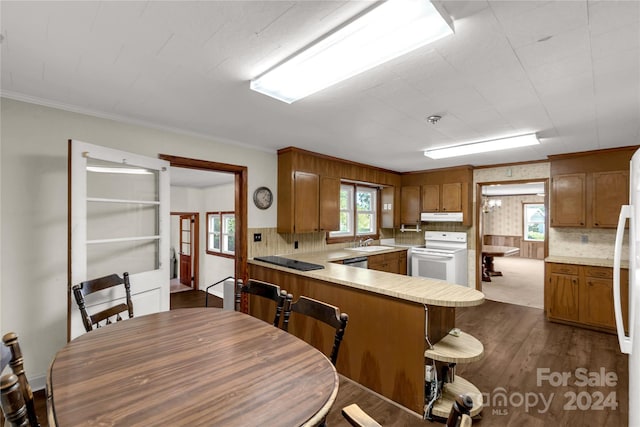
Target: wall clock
x,y
262,197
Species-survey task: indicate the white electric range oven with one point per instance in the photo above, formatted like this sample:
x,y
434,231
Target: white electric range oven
x,y
443,257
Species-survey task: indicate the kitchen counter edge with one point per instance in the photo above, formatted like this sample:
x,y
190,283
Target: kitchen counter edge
x,y
415,289
593,262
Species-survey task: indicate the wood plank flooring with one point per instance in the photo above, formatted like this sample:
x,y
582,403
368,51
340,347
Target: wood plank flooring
x,y
520,345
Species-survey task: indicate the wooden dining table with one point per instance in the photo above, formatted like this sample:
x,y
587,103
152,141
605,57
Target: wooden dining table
x,y
190,367
490,251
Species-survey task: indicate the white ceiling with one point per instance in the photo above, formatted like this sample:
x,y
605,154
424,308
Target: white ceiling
x,y
568,70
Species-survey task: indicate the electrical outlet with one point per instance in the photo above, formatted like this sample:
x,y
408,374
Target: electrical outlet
x,y
584,238
257,237
295,245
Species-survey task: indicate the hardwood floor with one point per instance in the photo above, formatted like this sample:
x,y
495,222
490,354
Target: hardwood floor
x,y
520,347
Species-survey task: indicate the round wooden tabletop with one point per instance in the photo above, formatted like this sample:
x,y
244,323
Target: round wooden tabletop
x,y
196,367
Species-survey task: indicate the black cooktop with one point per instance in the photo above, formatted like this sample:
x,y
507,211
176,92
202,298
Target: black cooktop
x,y
290,263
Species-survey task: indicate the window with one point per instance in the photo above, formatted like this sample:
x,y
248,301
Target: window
x,y
221,233
358,211
534,219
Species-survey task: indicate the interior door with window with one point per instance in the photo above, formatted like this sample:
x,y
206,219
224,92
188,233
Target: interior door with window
x,y
118,222
186,276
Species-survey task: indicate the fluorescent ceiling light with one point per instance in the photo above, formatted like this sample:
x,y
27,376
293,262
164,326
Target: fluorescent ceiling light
x,y
483,146
393,28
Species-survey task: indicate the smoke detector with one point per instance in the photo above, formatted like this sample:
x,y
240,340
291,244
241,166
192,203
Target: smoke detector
x,y
433,119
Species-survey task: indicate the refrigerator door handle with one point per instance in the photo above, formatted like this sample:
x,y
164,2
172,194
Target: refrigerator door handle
x,y
623,339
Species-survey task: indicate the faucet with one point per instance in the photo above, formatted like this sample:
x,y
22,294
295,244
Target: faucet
x,y
366,242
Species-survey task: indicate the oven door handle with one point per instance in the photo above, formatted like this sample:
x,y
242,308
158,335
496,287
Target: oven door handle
x,y
433,257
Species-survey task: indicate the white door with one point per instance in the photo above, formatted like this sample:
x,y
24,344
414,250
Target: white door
x,y
119,222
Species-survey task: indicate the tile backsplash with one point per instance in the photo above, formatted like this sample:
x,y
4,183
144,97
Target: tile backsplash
x,y
584,242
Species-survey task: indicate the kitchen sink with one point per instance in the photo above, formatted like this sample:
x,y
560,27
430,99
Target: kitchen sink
x,y
370,248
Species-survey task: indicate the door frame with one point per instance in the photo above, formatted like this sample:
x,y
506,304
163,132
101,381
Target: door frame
x,y
195,246
478,221
240,202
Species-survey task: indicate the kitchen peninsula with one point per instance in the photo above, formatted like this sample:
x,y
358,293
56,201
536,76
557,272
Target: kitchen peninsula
x,y
393,319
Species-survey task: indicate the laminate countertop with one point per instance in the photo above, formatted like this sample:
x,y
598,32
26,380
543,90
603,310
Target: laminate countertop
x,y
416,289
594,262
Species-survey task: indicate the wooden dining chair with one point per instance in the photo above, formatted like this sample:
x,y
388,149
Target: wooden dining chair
x,y
88,287
264,290
16,397
459,416
357,417
323,312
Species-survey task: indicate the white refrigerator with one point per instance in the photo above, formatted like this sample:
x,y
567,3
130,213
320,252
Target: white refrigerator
x,y
630,343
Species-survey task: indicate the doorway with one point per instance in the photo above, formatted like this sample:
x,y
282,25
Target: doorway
x,y
239,183
512,240
185,253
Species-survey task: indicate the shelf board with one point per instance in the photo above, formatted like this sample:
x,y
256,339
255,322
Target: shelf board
x,y
442,406
461,349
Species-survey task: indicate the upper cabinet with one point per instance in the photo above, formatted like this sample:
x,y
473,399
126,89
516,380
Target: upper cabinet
x,y
442,197
568,198
444,190
410,204
610,191
329,199
588,189
308,196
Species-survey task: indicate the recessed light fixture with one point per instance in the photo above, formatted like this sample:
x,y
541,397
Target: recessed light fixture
x,y
483,146
389,30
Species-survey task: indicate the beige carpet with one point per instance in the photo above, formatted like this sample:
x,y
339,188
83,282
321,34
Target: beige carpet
x,y
521,283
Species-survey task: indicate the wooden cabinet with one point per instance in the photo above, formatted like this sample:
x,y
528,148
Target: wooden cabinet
x,y
583,295
442,197
431,198
445,190
588,189
568,200
562,289
329,209
392,262
308,197
610,191
306,192
410,204
315,200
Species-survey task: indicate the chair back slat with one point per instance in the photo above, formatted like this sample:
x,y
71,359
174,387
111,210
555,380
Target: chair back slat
x,y
326,313
264,290
80,291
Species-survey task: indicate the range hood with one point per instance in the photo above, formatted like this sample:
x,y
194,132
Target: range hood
x,y
441,216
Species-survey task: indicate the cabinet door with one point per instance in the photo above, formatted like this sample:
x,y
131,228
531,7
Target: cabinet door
x,y
329,203
568,206
410,205
610,191
563,296
402,263
431,198
377,262
597,302
452,197
306,197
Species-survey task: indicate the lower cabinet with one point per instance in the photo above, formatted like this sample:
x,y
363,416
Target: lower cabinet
x,y
583,295
392,262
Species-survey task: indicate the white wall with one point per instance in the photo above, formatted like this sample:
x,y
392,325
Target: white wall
x,y
33,215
